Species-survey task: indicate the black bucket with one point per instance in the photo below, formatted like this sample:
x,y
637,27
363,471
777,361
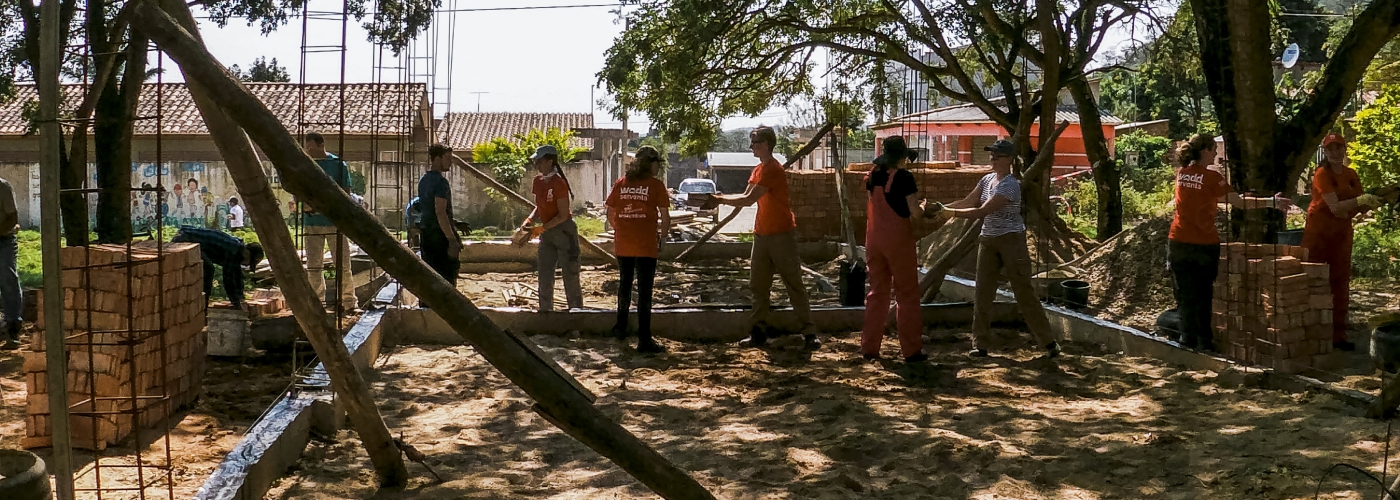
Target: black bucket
x,y
851,284
1076,293
1169,324
23,476
1291,237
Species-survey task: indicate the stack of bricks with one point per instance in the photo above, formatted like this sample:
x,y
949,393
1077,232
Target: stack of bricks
x,y
1271,308
812,194
114,324
262,302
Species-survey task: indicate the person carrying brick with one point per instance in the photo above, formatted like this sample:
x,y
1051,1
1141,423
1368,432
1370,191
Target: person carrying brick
x,y
440,246
1002,249
1193,244
635,204
10,294
890,253
558,231
774,241
318,230
226,251
1337,198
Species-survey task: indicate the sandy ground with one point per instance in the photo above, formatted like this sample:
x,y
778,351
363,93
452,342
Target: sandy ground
x,y
784,424
716,282
235,394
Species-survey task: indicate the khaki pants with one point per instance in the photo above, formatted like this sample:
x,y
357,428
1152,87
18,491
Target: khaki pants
x,y
316,239
777,252
1006,253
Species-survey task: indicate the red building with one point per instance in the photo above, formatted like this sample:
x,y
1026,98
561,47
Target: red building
x,y
958,133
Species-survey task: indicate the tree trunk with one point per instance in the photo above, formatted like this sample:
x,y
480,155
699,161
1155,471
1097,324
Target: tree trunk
x,y
303,178
72,206
113,127
1108,178
253,187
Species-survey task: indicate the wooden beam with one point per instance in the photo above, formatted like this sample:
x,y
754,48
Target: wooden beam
x,y
521,200
262,205
303,178
708,234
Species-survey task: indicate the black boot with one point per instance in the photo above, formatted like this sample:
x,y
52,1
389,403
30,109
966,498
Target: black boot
x,y
758,336
648,345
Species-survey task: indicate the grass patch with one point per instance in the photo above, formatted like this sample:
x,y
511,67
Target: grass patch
x,y
589,227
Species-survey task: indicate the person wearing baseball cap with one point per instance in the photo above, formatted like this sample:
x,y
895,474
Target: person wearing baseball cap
x,y
558,233
1337,198
1002,250
890,254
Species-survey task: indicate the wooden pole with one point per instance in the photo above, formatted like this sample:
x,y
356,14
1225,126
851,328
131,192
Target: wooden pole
x,y
262,205
304,179
55,354
518,198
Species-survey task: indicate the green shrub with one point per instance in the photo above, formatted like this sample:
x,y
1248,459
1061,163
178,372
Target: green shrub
x,y
1152,167
1375,250
30,260
1375,152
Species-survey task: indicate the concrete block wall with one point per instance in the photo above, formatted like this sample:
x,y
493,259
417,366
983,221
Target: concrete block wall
x,y
112,298
1271,308
818,210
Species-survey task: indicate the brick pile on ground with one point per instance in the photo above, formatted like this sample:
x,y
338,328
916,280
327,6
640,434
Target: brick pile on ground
x,y
117,312
1271,308
818,210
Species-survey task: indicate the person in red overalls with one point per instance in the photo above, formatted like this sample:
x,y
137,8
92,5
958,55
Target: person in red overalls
x,y
890,252
1337,197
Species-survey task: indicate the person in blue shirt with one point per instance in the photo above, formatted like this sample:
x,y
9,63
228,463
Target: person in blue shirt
x,y
440,246
318,230
227,251
412,216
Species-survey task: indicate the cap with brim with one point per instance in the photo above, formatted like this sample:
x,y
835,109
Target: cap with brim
x,y
1001,147
893,148
1333,139
544,151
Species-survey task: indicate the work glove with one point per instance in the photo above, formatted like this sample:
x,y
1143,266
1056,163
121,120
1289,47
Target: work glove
x,y
933,210
1369,200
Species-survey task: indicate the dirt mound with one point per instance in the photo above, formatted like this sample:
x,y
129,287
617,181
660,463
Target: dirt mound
x,y
1128,278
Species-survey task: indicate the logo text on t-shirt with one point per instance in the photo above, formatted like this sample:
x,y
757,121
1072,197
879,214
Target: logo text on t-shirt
x,y
1191,181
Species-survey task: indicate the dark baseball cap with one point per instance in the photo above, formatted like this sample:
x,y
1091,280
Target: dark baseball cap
x,y
1002,147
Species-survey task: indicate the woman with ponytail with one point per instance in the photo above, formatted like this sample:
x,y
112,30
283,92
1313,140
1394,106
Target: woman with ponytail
x,y
1193,244
558,233
635,204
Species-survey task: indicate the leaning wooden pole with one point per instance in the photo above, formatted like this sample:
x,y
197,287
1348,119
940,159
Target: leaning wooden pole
x,y
303,178
253,187
521,200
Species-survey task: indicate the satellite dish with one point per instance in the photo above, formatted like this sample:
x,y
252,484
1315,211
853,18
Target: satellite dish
x,y
1290,55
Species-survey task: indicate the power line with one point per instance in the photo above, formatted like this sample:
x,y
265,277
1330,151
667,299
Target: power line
x,y
540,7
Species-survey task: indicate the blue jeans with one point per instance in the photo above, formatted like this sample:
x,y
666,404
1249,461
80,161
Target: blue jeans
x,y
10,294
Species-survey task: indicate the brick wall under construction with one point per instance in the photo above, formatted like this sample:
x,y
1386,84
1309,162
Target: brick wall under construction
x,y
133,326
1271,308
818,210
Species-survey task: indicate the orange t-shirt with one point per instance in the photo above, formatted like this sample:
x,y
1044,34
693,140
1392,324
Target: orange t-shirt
x,y
1198,189
634,207
547,193
774,211
1346,185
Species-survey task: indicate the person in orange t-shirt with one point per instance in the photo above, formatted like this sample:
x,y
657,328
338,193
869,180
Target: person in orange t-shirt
x,y
774,244
636,202
1337,197
1193,244
558,232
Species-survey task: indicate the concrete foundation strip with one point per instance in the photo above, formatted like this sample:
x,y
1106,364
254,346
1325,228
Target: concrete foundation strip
x,y
1080,327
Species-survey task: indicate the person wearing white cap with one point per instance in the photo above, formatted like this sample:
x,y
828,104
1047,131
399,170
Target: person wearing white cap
x,y
558,233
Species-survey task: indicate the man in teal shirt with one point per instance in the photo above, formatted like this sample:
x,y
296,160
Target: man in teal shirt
x,y
317,229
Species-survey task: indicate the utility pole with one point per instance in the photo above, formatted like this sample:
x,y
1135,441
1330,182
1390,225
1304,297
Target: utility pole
x,y
478,99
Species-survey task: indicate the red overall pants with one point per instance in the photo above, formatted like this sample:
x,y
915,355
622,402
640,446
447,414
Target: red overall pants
x,y
890,256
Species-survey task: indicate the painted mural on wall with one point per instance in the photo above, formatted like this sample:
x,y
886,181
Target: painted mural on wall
x,y
189,196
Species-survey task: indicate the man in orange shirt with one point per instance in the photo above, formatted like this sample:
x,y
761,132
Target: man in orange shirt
x,y
774,244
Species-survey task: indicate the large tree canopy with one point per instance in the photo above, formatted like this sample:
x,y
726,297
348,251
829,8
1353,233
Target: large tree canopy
x,y
690,63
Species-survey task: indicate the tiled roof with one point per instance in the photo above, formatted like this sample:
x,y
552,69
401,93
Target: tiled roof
x,y
369,107
968,113
462,131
